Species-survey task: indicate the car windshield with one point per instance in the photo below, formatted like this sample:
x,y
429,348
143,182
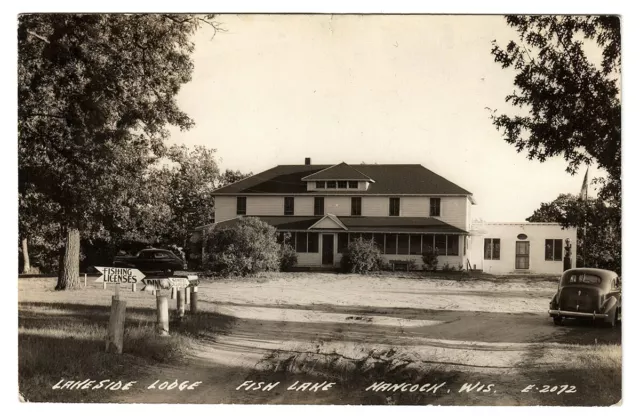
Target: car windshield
x,y
582,278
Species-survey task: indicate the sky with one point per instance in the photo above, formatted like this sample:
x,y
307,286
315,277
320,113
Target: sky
x,y
274,89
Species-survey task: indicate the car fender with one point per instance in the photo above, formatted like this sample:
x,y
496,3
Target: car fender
x,y
609,304
554,301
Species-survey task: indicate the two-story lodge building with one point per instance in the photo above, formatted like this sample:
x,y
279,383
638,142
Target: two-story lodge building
x,y
404,208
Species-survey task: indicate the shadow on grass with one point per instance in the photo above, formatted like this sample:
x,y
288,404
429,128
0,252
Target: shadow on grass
x,y
58,340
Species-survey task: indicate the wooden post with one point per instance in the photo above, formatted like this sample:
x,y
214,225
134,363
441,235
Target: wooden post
x,y
194,300
115,336
180,303
85,280
153,292
162,315
173,293
187,296
104,285
133,287
117,290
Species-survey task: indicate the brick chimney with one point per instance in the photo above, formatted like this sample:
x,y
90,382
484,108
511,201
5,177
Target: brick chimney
x,y
307,161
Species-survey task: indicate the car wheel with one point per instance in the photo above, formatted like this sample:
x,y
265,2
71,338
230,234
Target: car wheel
x,y
557,321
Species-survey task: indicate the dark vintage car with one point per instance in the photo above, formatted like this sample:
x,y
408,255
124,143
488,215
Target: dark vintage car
x,y
588,293
151,261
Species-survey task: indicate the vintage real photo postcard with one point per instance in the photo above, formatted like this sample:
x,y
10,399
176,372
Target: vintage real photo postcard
x,y
320,209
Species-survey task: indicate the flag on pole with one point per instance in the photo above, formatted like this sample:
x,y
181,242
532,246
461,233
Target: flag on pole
x,y
585,184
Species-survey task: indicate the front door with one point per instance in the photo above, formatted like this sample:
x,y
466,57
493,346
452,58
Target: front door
x,y
327,249
522,255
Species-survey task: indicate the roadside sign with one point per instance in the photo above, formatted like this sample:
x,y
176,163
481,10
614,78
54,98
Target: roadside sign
x,y
155,284
119,275
179,282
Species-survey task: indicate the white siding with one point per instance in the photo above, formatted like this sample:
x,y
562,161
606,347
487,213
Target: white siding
x,y
507,233
337,205
413,206
302,205
453,210
375,206
225,208
266,205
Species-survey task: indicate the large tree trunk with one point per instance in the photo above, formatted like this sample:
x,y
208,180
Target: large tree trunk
x,y
69,270
26,267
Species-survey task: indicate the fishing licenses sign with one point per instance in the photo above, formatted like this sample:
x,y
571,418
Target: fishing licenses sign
x,y
119,275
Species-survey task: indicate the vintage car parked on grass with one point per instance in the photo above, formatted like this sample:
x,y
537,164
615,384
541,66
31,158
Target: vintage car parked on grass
x,y
588,293
152,261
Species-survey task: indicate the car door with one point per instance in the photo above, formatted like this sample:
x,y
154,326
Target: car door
x,y
144,260
162,261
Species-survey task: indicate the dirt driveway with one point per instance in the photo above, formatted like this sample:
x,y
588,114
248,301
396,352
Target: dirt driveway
x,y
359,332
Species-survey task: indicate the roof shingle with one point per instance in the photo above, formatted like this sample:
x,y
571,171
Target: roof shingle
x,y
390,179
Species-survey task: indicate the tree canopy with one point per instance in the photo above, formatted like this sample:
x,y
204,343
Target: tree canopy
x,y
601,246
95,95
567,97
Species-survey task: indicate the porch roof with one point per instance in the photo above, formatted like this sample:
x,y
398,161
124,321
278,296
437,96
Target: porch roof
x,y
359,224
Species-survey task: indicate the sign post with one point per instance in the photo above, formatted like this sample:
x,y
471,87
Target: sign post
x,y
117,276
194,299
162,315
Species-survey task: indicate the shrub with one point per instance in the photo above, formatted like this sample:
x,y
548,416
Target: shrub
x,y
288,257
361,256
248,247
430,259
447,268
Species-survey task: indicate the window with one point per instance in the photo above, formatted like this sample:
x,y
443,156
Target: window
x,y
241,205
343,242
428,243
394,207
160,255
280,237
434,207
491,249
353,184
354,236
320,184
318,205
390,244
415,247
312,242
441,244
403,244
301,242
342,184
367,236
553,249
453,245
288,205
331,184
378,240
356,206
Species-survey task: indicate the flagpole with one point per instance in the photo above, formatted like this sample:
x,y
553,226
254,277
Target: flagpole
x,y
584,227
584,231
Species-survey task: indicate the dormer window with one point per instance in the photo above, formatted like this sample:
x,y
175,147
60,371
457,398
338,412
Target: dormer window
x,y
353,184
342,184
331,184
320,184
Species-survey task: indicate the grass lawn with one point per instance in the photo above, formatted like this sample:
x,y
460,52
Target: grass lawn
x,y
352,329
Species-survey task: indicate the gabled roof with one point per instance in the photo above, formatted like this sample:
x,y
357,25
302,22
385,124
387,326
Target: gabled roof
x,y
358,224
333,221
390,179
341,171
